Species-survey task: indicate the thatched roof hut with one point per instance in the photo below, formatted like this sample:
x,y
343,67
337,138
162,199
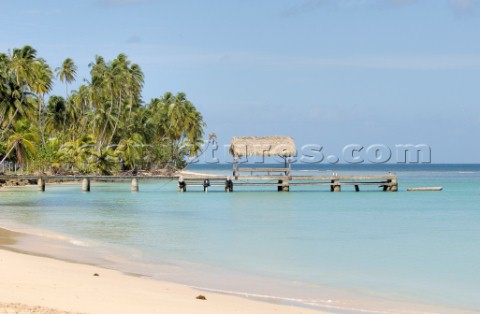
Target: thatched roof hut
x,y
263,146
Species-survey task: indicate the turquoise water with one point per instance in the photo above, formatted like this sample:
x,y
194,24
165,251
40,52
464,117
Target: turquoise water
x,y
370,250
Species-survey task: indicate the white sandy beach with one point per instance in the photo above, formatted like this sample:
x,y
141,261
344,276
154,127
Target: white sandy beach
x,y
33,284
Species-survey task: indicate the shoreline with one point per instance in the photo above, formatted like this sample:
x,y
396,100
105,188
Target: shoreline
x,y
61,272
39,283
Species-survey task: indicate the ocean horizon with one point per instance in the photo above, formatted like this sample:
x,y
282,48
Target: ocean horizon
x,y
343,252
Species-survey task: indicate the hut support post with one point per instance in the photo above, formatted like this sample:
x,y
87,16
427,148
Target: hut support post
x,y
289,167
86,185
235,167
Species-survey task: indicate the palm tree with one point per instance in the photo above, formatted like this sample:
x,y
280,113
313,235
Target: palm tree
x,y
67,73
18,72
104,121
41,84
14,104
5,90
22,61
56,113
104,112
103,161
80,109
180,123
104,86
77,152
23,141
130,150
135,84
117,81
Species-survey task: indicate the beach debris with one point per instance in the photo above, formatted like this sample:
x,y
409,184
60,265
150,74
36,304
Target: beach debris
x,y
201,297
96,275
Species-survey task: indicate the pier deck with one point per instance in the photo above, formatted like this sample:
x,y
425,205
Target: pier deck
x,y
283,183
40,180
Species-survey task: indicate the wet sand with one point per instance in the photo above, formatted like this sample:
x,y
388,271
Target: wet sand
x,y
36,284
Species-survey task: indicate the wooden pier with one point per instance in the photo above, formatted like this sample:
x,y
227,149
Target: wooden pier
x,y
282,183
285,183
85,180
280,178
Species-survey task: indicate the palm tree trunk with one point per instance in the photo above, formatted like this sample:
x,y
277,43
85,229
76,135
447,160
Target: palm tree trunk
x,y
9,122
131,105
100,140
40,120
116,120
2,117
9,152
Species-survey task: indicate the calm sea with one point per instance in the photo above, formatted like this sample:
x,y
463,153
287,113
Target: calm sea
x,y
347,252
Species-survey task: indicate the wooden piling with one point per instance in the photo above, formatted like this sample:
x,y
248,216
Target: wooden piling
x,y
206,184
86,185
391,186
182,186
134,185
335,187
228,185
394,187
283,186
41,184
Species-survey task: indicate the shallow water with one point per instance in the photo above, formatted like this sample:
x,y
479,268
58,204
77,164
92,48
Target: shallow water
x,y
370,250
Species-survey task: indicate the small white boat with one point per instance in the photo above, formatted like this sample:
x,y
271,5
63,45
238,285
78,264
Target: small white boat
x,y
428,188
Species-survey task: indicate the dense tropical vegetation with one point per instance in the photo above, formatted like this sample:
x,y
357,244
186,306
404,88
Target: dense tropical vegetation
x,y
102,127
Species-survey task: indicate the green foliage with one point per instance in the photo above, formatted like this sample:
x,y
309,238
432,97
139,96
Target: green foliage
x,y
101,127
22,141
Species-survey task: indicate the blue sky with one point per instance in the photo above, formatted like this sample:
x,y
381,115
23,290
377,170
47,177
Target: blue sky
x,y
327,72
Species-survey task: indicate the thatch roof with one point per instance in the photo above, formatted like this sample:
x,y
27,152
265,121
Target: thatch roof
x,y
263,146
